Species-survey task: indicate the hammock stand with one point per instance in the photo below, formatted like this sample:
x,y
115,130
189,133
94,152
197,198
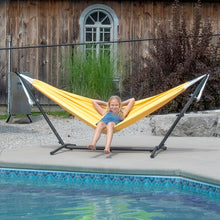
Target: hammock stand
x,y
154,150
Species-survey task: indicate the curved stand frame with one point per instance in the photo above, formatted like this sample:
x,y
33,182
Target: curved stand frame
x,y
161,146
154,151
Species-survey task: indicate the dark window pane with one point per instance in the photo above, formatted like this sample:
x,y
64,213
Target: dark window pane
x,y
94,16
101,16
88,37
89,21
106,20
89,30
101,36
94,36
107,37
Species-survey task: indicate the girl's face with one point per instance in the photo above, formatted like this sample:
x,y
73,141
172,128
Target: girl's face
x,y
114,106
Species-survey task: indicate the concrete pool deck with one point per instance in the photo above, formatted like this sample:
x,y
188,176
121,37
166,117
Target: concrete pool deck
x,y
197,158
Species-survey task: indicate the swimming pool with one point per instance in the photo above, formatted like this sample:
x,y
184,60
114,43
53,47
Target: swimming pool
x,y
37,194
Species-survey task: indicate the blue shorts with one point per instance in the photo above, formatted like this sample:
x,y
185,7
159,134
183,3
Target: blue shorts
x,y
110,117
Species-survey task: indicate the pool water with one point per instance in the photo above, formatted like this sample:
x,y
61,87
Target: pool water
x,y
60,200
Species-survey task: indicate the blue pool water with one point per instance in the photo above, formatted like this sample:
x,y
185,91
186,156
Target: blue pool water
x,y
28,194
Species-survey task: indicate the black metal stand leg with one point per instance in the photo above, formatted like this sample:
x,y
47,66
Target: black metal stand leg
x,y
46,118
161,145
157,149
29,117
10,118
67,146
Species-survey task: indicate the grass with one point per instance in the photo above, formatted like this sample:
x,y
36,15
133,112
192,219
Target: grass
x,y
62,114
91,76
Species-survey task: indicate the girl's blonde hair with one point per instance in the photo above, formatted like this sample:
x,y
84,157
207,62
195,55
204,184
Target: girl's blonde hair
x,y
120,113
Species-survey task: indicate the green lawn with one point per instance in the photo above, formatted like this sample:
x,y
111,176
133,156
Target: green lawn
x,y
62,114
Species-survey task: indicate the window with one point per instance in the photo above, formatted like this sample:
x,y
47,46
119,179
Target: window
x,y
98,26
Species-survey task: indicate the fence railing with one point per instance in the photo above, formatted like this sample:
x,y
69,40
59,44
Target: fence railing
x,y
49,63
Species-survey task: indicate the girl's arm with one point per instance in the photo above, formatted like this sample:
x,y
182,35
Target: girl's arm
x,y
98,106
129,104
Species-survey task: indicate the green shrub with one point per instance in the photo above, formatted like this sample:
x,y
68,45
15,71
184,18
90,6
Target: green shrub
x,y
91,76
179,54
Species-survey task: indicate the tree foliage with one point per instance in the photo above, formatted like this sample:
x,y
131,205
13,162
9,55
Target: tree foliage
x,y
179,54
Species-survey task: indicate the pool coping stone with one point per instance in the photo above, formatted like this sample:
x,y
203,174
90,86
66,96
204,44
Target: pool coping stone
x,y
196,158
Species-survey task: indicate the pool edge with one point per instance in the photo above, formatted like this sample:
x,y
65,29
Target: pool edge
x,y
151,172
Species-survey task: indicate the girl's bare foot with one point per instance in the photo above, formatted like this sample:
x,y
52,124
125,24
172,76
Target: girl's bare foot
x,y
91,147
107,151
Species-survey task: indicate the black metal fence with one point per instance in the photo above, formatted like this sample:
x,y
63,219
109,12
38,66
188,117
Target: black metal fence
x,y
49,63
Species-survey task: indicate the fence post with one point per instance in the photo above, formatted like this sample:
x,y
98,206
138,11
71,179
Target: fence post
x,y
9,70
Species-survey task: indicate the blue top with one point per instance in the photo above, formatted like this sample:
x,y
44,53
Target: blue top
x,y
110,117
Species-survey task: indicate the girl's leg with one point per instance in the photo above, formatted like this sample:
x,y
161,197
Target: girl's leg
x,y
100,126
109,135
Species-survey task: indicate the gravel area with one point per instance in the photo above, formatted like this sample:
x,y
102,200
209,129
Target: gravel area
x,y
21,133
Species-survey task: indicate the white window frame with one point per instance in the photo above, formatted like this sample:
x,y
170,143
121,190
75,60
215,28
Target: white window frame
x,y
113,27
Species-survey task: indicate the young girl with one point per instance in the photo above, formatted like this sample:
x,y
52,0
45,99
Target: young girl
x,y
112,116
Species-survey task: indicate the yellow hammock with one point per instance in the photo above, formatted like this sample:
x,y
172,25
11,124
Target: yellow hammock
x,y
82,107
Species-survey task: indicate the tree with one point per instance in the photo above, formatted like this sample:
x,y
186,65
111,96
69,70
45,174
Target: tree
x,y
177,55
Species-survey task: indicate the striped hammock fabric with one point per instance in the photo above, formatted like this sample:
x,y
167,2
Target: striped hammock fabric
x,y
82,107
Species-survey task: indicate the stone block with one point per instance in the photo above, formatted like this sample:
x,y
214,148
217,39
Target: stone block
x,y
195,125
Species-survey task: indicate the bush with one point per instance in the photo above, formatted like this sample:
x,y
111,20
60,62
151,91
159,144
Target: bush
x,y
178,55
91,76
